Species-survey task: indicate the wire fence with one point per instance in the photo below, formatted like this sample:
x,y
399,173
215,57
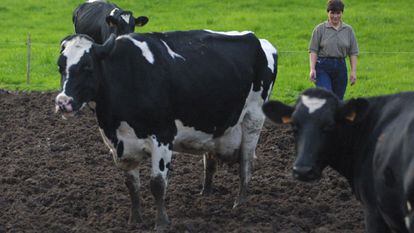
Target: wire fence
x,y
57,44
29,44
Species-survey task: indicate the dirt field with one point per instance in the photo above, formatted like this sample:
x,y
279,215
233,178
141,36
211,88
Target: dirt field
x,y
57,176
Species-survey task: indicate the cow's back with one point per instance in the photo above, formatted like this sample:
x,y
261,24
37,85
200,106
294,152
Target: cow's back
x,y
89,19
208,81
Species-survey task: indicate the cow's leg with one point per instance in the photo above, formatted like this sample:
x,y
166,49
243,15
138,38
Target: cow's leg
x,y
251,127
210,167
133,184
161,163
374,223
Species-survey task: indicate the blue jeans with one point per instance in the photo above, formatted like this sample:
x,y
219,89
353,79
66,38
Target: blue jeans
x,y
331,74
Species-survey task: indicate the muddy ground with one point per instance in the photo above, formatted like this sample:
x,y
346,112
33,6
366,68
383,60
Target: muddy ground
x,y
57,176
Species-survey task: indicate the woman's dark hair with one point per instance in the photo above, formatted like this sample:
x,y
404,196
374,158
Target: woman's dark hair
x,y
335,5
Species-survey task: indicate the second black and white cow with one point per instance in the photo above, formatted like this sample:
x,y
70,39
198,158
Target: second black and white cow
x,y
370,141
99,18
192,91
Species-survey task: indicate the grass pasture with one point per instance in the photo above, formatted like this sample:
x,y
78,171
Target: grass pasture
x,y
384,30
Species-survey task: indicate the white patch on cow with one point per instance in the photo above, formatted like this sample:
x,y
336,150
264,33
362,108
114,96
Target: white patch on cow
x,y
172,53
126,17
407,222
312,103
409,206
230,33
74,50
134,148
190,140
229,142
252,121
160,152
113,11
143,46
269,51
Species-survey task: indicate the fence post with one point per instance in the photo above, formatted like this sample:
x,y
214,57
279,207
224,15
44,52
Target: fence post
x,y
29,53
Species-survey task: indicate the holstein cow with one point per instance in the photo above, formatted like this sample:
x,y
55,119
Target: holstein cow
x,y
99,18
189,91
370,141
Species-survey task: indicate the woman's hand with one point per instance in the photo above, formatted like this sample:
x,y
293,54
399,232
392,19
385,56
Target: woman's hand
x,y
352,78
312,75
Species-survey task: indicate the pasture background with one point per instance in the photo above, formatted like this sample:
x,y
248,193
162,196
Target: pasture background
x,y
384,30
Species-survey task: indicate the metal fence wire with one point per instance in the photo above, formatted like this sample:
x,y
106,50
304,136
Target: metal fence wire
x,y
29,44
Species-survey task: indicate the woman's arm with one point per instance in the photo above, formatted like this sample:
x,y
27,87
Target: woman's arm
x,y
312,62
353,61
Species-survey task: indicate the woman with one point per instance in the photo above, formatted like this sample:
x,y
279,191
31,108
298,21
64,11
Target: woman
x,y
332,41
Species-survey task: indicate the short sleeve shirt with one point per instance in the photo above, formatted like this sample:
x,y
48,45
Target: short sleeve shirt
x,y
327,41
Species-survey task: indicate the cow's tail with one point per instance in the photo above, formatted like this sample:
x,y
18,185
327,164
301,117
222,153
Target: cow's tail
x,y
267,67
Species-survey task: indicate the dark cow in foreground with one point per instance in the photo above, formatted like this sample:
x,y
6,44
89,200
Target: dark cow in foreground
x,y
98,19
190,91
370,141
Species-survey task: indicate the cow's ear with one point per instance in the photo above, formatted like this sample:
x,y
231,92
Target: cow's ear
x,y
278,112
353,111
141,21
102,51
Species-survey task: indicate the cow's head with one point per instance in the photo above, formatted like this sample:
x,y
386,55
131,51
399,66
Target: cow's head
x,y
79,69
315,120
122,22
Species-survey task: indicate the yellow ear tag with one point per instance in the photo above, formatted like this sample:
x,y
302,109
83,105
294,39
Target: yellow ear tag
x,y
351,117
286,120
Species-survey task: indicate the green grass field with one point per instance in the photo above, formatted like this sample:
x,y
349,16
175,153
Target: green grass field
x,y
384,30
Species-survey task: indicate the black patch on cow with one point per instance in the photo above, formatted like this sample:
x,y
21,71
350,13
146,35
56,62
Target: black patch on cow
x,y
169,166
389,177
157,187
162,165
120,149
62,68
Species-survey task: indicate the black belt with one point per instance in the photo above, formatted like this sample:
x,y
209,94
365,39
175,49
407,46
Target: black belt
x,y
332,58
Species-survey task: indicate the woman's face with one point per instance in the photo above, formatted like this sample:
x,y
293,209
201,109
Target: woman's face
x,y
334,17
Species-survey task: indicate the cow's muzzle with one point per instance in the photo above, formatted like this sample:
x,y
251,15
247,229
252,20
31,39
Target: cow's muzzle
x,y
64,103
306,173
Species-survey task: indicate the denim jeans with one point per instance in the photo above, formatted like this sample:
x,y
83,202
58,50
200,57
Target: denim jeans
x,y
331,74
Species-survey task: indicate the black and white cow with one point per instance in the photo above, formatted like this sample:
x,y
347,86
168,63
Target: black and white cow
x,y
99,18
190,91
370,141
